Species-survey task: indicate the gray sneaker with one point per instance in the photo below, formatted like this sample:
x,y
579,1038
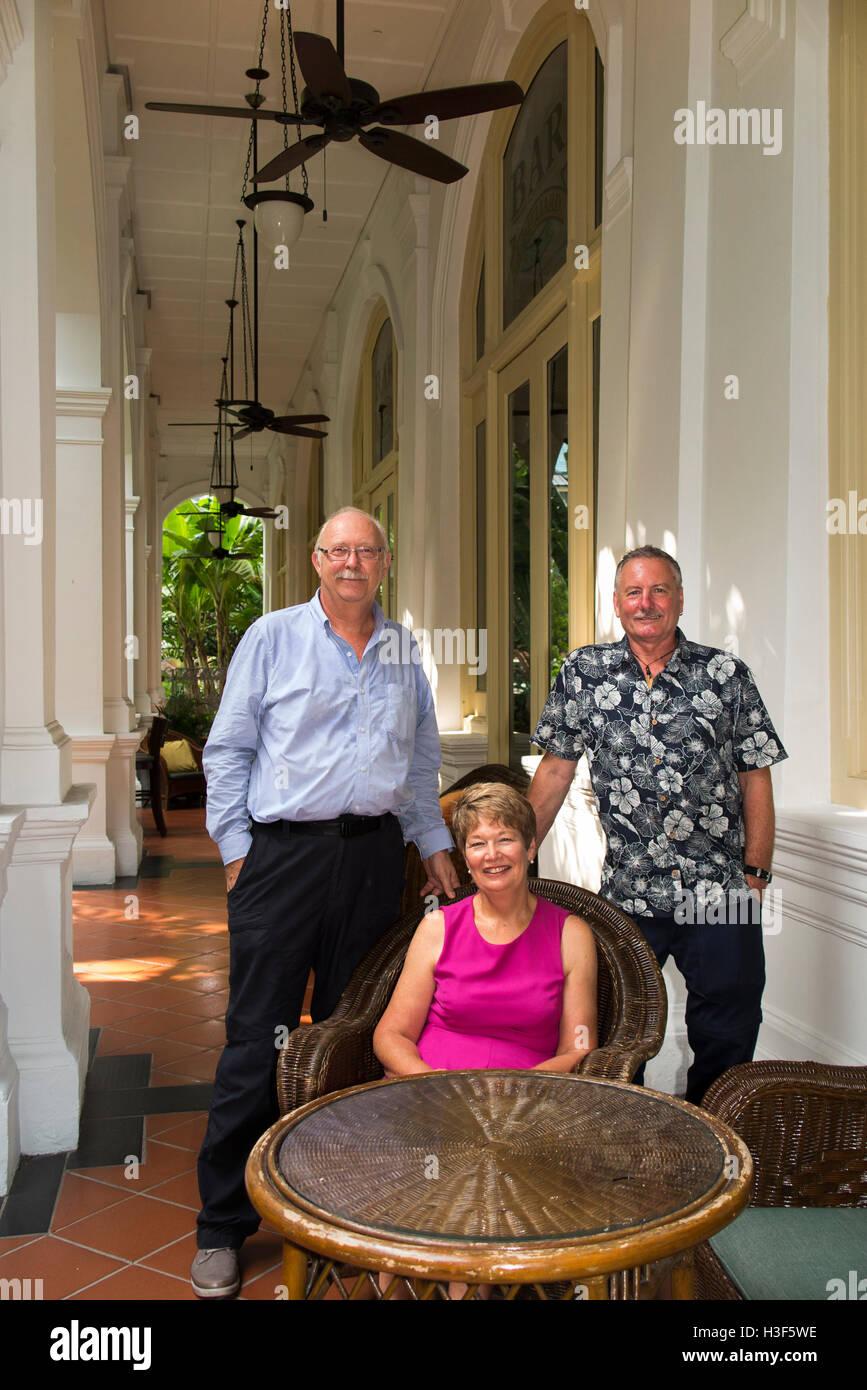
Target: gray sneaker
x,y
216,1273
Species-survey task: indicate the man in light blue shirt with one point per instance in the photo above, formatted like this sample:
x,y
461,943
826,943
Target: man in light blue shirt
x,y
322,760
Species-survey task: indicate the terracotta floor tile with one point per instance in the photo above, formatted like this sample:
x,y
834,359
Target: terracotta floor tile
x,y
132,1229
135,1284
162,1162
156,1126
260,1253
264,1288
214,983
164,1050
208,1005
175,1258
114,1041
162,997
175,1078
183,1189
111,990
104,1014
81,1197
155,1023
63,1267
203,1066
9,1243
187,1135
113,1174
209,1032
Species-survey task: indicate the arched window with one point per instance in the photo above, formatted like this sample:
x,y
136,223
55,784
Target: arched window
x,y
375,451
530,359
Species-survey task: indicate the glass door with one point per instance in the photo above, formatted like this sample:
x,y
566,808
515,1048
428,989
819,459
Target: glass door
x,y
534,403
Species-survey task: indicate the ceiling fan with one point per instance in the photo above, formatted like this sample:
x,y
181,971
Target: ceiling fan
x,y
250,416
345,108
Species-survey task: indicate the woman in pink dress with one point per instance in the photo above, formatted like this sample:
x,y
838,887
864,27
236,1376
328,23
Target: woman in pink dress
x,y
499,979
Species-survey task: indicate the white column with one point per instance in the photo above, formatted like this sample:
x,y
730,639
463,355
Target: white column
x,y
49,1011
118,712
142,543
131,504
10,1147
79,617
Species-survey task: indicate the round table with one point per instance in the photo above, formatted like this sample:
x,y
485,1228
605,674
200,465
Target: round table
x,y
504,1178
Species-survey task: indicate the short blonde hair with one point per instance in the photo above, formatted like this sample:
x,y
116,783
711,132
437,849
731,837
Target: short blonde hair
x,y
493,801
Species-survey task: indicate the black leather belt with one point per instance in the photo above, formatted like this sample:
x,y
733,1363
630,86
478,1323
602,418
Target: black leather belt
x,y
347,827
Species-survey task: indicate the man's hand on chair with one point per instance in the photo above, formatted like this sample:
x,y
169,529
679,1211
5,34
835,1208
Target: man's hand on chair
x,y
441,875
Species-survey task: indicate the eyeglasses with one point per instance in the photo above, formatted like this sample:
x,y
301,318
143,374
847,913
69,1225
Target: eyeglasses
x,y
337,554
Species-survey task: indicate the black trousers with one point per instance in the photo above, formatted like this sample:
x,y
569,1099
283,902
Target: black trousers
x,y
300,902
723,964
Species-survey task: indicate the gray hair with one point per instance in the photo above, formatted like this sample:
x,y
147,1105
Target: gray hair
x,y
355,511
650,552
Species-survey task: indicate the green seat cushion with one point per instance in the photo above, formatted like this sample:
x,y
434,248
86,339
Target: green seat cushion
x,y
796,1252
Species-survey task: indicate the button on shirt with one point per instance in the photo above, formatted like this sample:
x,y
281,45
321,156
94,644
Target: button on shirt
x,y
664,763
306,731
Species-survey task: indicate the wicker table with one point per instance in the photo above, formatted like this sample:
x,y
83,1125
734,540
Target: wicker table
x,y
509,1178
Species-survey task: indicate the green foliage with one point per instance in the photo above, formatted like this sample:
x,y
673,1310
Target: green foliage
x,y
188,716
208,603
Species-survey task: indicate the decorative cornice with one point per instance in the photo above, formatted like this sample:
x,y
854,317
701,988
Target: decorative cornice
x,y
92,404
91,748
618,190
11,34
126,744
47,832
754,36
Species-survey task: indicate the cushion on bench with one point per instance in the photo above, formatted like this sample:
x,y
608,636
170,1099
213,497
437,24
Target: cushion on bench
x,y
179,757
796,1253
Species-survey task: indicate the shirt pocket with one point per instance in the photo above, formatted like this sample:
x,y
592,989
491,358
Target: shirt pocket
x,y
400,712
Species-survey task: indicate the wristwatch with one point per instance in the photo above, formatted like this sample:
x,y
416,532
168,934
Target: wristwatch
x,y
764,875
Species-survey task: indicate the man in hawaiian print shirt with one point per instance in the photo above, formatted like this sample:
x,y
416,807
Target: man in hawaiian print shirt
x,y
680,747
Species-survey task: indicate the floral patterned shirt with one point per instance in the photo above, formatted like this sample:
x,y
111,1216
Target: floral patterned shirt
x,y
664,763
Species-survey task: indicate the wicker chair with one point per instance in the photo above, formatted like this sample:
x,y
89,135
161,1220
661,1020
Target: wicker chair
x,y
805,1124
323,1057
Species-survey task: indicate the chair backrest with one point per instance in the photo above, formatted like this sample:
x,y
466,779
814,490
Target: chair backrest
x,y
157,734
805,1124
631,995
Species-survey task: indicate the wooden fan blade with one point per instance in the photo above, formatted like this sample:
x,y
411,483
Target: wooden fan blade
x,y
265,512
287,427
245,113
321,67
418,156
242,434
287,160
304,419
448,103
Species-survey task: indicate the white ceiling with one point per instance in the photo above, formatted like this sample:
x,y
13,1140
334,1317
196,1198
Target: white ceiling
x,y
188,171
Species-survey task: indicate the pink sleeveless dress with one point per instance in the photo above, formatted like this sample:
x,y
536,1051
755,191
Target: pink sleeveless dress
x,y
495,1006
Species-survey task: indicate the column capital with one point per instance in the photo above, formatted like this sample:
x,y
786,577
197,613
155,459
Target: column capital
x,y
47,832
92,403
